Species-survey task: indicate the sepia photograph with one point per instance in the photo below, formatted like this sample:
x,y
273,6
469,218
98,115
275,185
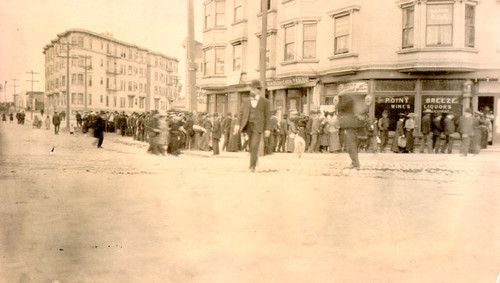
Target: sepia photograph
x,y
248,141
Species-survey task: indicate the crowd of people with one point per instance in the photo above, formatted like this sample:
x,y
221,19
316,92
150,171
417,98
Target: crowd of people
x,y
172,132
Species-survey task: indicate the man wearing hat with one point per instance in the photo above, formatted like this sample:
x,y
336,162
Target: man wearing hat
x,y
254,120
466,130
426,132
383,128
449,129
56,120
283,134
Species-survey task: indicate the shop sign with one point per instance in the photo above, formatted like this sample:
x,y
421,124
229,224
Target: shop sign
x,y
353,87
397,102
442,104
287,82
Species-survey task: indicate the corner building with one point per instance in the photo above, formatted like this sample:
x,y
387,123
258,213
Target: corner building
x,y
404,56
107,74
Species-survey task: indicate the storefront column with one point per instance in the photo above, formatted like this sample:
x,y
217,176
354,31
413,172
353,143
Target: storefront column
x,y
308,106
467,90
371,92
418,102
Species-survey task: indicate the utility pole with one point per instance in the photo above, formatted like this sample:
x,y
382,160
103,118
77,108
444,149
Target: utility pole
x,y
68,114
31,95
5,92
263,43
15,94
190,57
85,80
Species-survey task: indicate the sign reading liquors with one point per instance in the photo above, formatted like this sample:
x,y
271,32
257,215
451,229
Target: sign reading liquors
x,y
442,104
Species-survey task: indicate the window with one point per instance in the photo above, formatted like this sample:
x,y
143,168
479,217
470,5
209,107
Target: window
x,y
102,99
220,8
238,10
102,63
80,79
207,62
107,83
107,100
157,103
141,102
342,28
470,16
219,60
102,80
408,25
439,24
208,15
90,99
309,45
130,102
90,80
237,53
73,98
63,81
289,43
73,79
80,99
129,86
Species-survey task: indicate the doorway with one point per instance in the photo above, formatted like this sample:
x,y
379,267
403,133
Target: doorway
x,y
486,105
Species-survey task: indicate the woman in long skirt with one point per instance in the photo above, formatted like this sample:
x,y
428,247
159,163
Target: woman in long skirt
x,y
399,132
333,133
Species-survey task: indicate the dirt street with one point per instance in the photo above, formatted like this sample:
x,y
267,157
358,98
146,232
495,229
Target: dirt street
x,y
117,214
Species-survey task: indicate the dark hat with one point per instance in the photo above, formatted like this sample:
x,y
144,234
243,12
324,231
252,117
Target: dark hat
x,y
255,84
427,111
468,110
385,111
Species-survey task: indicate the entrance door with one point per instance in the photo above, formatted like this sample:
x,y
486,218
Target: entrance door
x,y
487,104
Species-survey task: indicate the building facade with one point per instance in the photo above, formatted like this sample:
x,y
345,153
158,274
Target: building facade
x,y
401,55
106,74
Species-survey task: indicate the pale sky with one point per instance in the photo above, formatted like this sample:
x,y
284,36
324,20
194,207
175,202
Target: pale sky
x,y
26,26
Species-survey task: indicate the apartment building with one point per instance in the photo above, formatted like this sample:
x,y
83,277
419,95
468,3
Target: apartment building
x,y
107,74
401,55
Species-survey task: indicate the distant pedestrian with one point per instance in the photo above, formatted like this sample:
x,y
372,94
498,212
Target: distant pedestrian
x,y
78,119
396,146
410,126
4,117
99,129
56,120
47,122
254,120
11,117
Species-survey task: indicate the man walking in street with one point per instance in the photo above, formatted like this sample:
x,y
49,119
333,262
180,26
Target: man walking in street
x,y
254,120
56,120
351,119
78,119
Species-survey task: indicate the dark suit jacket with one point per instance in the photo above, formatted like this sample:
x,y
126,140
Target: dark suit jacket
x,y
262,115
217,130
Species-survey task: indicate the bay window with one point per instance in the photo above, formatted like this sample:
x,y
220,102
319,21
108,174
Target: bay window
x,y
342,34
290,43
470,16
408,26
309,44
439,24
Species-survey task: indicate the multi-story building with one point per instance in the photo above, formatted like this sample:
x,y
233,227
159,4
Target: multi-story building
x,y
400,55
114,75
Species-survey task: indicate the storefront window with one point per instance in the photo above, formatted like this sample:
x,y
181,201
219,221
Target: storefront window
x,y
394,104
442,85
395,85
341,34
443,104
439,24
408,24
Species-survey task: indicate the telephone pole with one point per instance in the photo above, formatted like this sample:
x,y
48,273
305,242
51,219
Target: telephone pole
x,y
15,95
68,113
190,57
31,95
263,44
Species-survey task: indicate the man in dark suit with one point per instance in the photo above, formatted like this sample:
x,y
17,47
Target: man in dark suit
x,y
226,130
351,119
216,133
254,120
